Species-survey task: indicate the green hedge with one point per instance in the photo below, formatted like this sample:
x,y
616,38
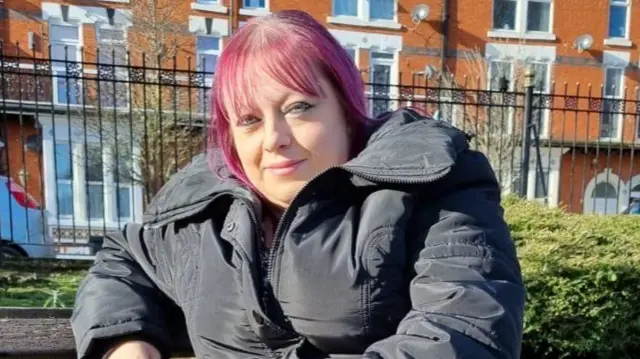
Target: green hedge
x,y
582,274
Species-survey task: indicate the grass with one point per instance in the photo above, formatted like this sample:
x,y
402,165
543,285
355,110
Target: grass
x,y
39,284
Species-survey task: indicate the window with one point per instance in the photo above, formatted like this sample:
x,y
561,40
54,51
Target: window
x,y
541,87
123,182
107,181
522,15
112,58
366,10
611,113
208,51
208,48
253,4
501,75
619,19
65,55
94,176
352,54
64,179
605,199
501,117
541,191
380,78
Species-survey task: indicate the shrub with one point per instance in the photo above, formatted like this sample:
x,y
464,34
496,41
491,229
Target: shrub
x,y
582,274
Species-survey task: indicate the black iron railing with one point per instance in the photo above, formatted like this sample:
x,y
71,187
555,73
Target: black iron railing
x,y
85,145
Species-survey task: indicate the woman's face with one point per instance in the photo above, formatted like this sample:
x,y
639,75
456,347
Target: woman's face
x,y
289,138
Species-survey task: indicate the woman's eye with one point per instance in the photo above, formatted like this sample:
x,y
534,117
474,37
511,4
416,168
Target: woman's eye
x,y
247,121
299,107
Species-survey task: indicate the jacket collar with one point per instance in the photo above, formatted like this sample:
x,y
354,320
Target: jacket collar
x,y
403,147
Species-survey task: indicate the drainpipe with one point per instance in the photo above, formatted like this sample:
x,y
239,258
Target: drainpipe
x,y
231,10
445,34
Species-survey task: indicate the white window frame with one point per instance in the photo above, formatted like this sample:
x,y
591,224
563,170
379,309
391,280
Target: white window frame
x,y
363,17
56,67
393,77
208,79
80,216
255,11
57,181
122,73
546,113
623,41
356,55
520,29
619,95
510,116
209,5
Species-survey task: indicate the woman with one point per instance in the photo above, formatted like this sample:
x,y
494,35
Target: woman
x,y
325,234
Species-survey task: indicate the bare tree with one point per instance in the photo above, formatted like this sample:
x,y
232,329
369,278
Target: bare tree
x,y
494,120
148,113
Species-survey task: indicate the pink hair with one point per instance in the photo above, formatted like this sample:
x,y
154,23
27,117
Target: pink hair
x,y
292,48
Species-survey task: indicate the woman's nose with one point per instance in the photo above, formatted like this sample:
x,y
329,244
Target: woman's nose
x,y
276,134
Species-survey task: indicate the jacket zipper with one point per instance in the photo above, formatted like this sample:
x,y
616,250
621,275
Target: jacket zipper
x,y
285,220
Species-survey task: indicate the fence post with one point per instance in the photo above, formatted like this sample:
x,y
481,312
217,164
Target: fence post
x,y
526,130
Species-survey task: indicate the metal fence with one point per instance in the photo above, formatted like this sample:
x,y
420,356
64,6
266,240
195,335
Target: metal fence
x,y
84,145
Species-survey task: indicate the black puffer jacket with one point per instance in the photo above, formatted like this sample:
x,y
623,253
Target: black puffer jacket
x,y
400,253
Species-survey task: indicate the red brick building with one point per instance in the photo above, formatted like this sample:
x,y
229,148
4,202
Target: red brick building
x,y
588,158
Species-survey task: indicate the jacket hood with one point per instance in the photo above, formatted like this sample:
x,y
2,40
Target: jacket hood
x,y
403,147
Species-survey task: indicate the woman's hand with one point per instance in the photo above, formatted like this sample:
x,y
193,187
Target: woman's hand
x,y
135,349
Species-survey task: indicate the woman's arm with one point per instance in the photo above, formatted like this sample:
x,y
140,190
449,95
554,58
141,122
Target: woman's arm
x,y
126,297
467,295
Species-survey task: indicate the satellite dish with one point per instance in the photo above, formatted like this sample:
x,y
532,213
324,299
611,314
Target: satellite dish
x,y
420,13
583,42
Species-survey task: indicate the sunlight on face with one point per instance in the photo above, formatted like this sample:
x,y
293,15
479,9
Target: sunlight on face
x,y
289,138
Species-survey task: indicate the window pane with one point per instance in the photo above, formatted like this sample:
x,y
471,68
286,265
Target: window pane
x,y
94,171
63,161
68,90
254,3
381,9
618,21
95,201
604,190
114,94
380,78
500,71
208,43
125,173
542,178
504,14
58,53
609,118
124,202
112,55
64,33
65,199
540,80
345,7
613,82
538,16
382,55
207,63
352,54
111,35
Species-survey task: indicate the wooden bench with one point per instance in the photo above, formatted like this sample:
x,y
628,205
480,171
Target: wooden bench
x,y
42,334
